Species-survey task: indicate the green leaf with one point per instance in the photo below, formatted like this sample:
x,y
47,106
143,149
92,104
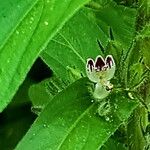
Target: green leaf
x,y
67,52
11,14
42,93
70,120
30,37
121,19
135,75
144,44
113,144
80,42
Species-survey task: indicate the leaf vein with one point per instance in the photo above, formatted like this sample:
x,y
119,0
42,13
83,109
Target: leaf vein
x,y
73,49
74,125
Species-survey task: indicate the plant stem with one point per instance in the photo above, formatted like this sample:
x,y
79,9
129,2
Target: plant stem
x,y
139,119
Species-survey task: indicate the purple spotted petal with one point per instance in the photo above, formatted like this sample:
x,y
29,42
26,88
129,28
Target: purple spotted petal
x,y
90,71
111,67
109,61
90,64
99,63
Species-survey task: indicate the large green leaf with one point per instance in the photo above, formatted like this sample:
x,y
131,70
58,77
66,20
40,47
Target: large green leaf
x,y
30,37
70,121
68,50
75,43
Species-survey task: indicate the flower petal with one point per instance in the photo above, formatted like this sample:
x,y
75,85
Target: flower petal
x,y
90,71
100,91
90,64
109,61
99,63
111,67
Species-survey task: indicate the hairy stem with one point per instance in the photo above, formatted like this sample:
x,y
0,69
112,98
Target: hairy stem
x,y
139,119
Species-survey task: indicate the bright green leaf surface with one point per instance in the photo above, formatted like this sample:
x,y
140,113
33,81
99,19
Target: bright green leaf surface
x,y
73,45
11,13
30,37
70,121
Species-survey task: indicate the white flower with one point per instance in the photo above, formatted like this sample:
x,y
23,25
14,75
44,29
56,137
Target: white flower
x,y
100,72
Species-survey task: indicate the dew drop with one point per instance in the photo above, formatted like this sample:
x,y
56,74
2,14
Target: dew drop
x,y
46,23
44,125
33,134
30,21
51,8
18,6
92,101
8,60
32,18
17,32
63,124
107,118
84,139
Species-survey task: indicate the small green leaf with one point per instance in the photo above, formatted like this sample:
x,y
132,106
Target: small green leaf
x,y
70,120
29,38
42,93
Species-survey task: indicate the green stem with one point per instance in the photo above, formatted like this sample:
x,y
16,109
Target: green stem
x,y
139,119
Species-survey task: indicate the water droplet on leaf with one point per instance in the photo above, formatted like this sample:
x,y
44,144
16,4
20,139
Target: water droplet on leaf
x,y
44,125
107,118
17,32
46,23
92,100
